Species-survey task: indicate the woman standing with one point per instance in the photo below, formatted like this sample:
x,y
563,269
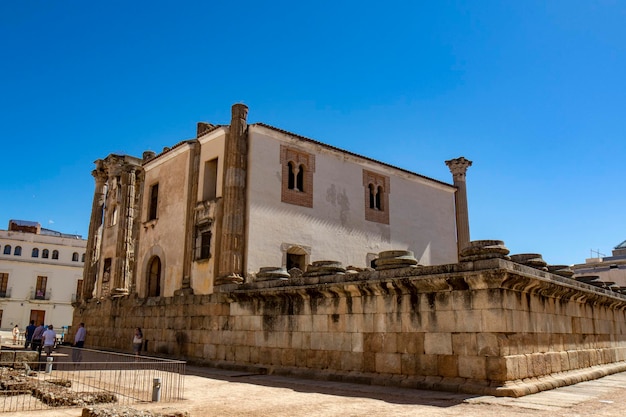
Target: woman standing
x,y
16,332
137,341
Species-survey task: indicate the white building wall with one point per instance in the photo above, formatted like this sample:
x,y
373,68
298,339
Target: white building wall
x,y
421,210
63,275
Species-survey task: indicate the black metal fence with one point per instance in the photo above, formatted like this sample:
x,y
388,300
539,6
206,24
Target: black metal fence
x,y
81,377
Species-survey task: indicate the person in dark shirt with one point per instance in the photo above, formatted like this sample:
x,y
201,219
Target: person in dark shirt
x,y
37,335
30,330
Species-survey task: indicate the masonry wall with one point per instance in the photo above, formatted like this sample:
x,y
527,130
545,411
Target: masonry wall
x,y
488,327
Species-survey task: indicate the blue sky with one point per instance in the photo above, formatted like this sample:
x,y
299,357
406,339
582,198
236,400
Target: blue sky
x,y
532,91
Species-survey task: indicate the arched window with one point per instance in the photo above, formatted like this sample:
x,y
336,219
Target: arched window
x,y
7,250
55,254
75,257
45,253
300,178
154,277
292,176
82,258
372,196
35,253
17,251
379,201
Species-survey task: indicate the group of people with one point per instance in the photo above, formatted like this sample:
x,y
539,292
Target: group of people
x,y
43,337
40,337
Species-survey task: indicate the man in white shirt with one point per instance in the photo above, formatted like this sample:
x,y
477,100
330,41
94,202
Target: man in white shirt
x,y
79,342
49,338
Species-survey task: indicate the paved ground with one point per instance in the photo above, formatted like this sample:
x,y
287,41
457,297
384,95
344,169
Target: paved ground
x,y
213,392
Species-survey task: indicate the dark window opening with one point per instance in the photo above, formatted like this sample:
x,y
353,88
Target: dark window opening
x,y
154,277
35,253
55,254
75,257
7,250
205,245
45,254
154,199
291,184
300,178
296,261
17,251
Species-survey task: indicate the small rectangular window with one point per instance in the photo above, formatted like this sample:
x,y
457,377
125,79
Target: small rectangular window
x,y
4,281
154,199
209,188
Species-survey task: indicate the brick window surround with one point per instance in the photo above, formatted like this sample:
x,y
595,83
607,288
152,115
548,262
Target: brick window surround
x,y
376,191
297,172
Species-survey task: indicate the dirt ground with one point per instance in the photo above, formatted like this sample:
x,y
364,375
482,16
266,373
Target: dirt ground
x,y
210,392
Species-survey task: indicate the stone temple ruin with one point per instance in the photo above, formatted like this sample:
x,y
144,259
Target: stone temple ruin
x,y
489,324
224,250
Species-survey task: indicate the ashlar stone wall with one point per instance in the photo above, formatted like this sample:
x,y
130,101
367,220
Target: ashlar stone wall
x,y
489,327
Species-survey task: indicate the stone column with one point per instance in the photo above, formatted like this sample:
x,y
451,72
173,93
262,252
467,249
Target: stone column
x,y
458,168
234,199
127,224
92,253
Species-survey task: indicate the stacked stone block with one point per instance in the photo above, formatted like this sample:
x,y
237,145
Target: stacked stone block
x,y
486,325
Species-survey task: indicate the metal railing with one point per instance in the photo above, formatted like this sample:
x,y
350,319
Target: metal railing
x,y
81,377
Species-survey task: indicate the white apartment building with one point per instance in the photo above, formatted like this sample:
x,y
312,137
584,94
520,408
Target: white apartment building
x,y
40,275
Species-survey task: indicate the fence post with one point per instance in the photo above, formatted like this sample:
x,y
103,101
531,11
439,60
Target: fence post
x,y
156,390
49,365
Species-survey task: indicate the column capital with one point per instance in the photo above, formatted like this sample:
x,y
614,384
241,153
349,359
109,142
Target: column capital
x,y
458,167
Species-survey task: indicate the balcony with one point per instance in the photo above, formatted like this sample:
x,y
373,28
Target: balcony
x,y
40,295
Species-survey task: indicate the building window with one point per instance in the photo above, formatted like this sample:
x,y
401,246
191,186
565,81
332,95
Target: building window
x,y
45,253
154,277
1,311
376,197
17,251
7,249
106,270
154,199
295,256
209,186
40,291
4,282
55,254
82,258
75,257
297,176
203,245
35,253
79,289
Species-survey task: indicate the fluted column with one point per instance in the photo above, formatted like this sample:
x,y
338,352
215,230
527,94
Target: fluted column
x,y
92,253
458,168
234,198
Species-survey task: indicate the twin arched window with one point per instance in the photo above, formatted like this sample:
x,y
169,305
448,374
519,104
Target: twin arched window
x,y
376,194
296,177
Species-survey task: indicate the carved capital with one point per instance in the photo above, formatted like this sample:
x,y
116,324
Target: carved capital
x,y
458,167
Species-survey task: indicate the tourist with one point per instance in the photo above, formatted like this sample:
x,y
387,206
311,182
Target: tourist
x,y
137,341
79,342
49,338
35,344
16,332
30,330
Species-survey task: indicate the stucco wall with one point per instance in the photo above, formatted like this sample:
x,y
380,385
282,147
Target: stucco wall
x,y
165,236
421,211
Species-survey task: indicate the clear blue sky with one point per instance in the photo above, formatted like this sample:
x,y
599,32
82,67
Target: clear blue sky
x,y
532,91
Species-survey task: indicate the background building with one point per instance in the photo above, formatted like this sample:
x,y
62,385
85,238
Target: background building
x,y
237,198
40,275
607,268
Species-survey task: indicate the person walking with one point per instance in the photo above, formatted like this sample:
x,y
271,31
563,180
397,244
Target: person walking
x,y
30,330
79,343
16,333
137,341
49,338
37,334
